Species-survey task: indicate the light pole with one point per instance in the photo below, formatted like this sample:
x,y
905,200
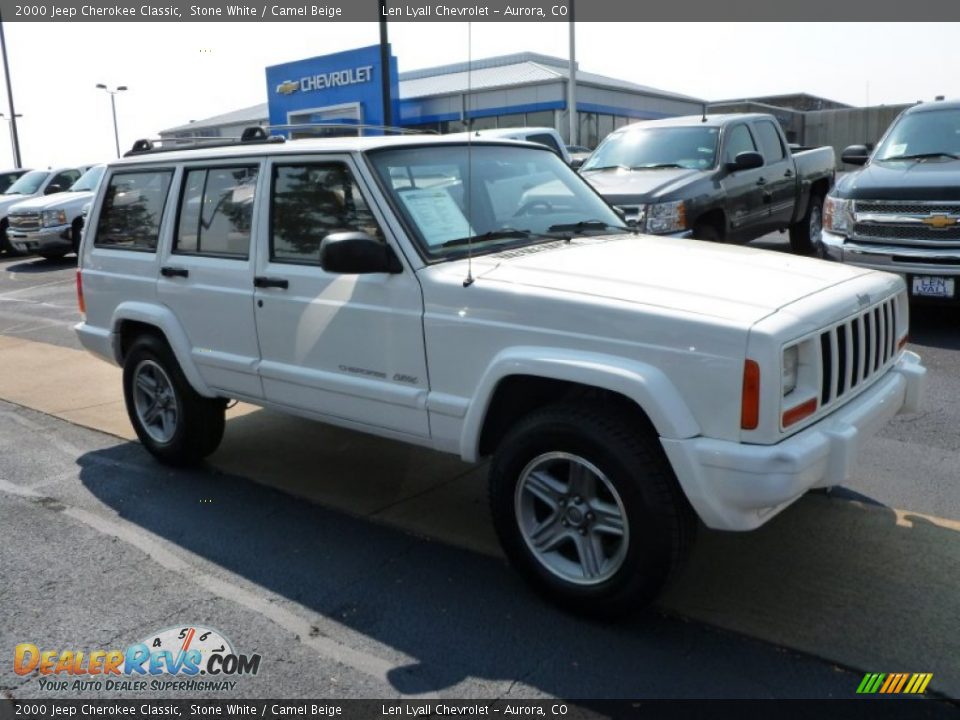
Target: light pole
x,y
13,142
113,106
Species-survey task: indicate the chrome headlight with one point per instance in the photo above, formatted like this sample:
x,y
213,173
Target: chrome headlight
x,y
52,218
791,361
666,217
837,215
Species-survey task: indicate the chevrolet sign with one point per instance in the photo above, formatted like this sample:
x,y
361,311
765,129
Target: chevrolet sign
x,y
322,81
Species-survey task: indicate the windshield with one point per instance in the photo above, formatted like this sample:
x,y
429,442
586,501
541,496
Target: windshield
x,y
518,196
89,180
28,184
657,147
8,179
925,134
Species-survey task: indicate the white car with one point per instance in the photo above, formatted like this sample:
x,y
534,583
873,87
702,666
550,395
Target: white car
x,y
35,183
482,300
51,225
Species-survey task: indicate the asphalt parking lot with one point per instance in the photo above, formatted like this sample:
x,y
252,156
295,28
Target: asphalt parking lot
x,y
359,567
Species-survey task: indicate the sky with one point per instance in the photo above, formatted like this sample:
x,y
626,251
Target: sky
x,y
177,72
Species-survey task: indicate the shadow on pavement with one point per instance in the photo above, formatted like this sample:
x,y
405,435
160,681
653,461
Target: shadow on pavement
x,y
855,584
459,614
39,265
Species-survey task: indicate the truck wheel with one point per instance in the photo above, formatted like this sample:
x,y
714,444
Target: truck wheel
x,y
177,426
805,234
75,235
707,231
588,509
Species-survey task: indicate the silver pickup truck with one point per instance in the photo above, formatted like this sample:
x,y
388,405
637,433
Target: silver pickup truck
x,y
50,226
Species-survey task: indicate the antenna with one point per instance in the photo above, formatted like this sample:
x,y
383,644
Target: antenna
x,y
703,111
468,280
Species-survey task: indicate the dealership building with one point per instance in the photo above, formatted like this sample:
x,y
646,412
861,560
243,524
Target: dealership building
x,y
522,89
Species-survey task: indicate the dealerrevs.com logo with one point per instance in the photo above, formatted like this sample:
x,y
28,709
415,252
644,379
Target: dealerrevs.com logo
x,y
191,658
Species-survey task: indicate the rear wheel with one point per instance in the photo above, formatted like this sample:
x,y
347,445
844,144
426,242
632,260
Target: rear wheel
x,y
806,235
177,426
587,508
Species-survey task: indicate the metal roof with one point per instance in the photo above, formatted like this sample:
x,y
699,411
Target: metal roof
x,y
253,115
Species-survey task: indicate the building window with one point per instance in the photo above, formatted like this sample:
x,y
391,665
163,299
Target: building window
x,y
540,118
484,123
511,121
588,131
604,127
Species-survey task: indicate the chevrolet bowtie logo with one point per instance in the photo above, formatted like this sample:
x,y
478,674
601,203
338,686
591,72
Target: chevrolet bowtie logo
x,y
288,86
939,222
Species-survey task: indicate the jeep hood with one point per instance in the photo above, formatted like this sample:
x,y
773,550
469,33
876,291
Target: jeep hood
x,y
52,202
640,185
737,284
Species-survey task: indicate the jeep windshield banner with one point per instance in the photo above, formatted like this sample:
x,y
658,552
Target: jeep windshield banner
x,y
475,11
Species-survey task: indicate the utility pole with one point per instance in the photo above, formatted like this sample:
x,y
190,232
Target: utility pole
x,y
385,67
14,137
572,82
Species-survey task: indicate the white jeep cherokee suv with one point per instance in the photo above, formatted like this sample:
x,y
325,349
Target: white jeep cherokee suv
x,y
481,299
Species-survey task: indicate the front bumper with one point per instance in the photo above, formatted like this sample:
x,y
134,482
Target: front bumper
x,y
914,260
735,486
50,238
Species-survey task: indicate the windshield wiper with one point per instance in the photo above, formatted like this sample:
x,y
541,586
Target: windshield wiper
x,y
921,156
504,234
657,166
608,167
584,225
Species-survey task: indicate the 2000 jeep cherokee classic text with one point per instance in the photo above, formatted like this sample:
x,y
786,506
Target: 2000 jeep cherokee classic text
x,y
481,299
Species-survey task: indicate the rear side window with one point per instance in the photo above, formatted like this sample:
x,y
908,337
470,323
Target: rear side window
x,y
132,208
216,210
311,201
770,141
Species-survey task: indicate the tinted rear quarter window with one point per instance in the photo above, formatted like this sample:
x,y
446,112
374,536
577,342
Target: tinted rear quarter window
x,y
132,207
545,139
769,141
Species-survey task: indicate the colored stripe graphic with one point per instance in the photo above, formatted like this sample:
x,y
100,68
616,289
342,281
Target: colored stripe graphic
x,y
894,683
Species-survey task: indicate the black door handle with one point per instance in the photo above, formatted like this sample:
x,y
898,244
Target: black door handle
x,y
267,282
168,271
788,173
762,181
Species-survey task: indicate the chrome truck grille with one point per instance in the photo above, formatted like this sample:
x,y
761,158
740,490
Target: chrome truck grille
x,y
909,223
25,221
857,349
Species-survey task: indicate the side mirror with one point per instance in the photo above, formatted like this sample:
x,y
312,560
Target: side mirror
x,y
855,155
356,253
747,160
576,163
53,188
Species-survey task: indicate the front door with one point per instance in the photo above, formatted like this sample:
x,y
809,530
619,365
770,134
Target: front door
x,y
348,348
746,210
206,275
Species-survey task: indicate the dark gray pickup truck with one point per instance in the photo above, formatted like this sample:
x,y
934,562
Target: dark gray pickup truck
x,y
730,178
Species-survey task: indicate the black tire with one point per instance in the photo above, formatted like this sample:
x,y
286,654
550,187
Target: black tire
x,y
708,232
659,522
75,235
197,427
805,234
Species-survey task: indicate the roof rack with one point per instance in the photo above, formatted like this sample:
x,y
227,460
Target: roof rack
x,y
253,135
354,126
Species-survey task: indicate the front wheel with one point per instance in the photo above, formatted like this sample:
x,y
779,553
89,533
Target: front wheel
x,y
588,509
177,426
805,235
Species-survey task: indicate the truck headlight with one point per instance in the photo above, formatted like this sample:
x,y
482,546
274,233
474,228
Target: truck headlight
x,y
666,217
837,215
791,361
52,218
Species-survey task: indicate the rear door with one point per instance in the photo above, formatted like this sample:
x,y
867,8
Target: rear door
x,y
206,272
778,172
347,348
